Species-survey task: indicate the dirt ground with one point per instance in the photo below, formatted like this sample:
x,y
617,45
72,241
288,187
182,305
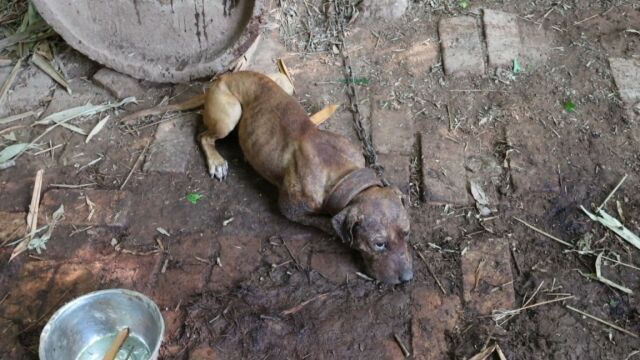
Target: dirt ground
x,y
235,280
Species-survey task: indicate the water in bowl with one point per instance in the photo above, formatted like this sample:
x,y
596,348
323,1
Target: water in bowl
x,y
132,349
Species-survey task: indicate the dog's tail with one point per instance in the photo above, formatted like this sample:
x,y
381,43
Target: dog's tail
x,y
189,104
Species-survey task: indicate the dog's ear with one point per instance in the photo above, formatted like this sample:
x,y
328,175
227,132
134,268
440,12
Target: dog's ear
x,y
343,223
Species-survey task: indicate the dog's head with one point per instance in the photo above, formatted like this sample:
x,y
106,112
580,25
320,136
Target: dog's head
x,y
376,224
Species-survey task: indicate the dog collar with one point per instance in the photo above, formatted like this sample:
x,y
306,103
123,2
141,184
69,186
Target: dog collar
x,y
349,187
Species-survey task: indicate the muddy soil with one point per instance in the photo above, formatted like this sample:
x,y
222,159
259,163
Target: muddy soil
x,y
235,280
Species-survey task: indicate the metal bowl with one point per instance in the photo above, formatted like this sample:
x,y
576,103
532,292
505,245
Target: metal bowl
x,y
158,40
86,327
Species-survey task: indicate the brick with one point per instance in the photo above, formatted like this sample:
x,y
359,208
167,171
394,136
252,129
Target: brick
x,y
503,37
461,46
397,170
336,267
535,44
75,64
443,173
203,352
489,288
532,166
392,132
626,73
262,55
384,9
83,92
112,207
420,57
239,258
12,226
173,146
120,85
433,315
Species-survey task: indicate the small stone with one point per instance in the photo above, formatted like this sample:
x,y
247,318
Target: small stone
x,y
392,132
173,146
461,46
336,267
443,173
486,276
384,9
397,170
118,84
12,226
503,37
626,73
111,207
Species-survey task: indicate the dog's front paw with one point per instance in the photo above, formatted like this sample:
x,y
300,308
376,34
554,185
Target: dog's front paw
x,y
219,172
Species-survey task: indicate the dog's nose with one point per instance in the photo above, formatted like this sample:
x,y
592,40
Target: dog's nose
x,y
406,275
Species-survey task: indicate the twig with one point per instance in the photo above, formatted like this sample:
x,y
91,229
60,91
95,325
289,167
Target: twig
x,y
431,272
135,165
477,273
404,348
47,150
364,276
602,321
611,193
499,315
543,233
116,344
299,307
68,186
484,353
291,254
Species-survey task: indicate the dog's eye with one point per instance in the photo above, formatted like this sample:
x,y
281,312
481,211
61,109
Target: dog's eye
x,y
379,246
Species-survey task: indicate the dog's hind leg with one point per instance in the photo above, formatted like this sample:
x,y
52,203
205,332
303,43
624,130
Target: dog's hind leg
x,y
222,112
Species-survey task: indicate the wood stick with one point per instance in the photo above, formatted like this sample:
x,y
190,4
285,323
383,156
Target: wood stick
x,y
431,272
117,344
402,347
297,308
602,321
543,233
611,193
135,165
32,217
322,115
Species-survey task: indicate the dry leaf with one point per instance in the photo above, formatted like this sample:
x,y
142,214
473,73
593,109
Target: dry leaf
x,y
96,129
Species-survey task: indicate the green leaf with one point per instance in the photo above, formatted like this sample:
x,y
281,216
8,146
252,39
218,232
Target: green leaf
x,y
194,197
516,66
569,106
463,4
11,151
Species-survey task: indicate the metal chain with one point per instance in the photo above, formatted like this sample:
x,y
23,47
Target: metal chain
x,y
368,150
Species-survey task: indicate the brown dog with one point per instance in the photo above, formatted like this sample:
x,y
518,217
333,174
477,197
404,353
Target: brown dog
x,y
321,176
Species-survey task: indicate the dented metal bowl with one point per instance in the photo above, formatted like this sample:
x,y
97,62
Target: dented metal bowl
x,y
86,327
158,40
